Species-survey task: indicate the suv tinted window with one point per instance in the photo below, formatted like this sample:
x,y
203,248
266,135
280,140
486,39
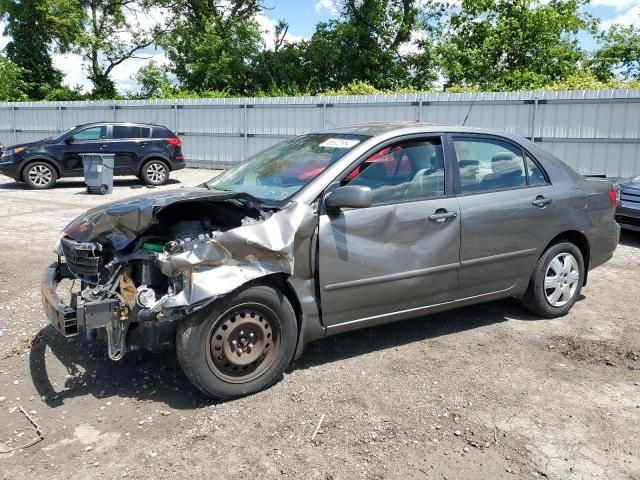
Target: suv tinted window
x,y
162,133
126,131
406,171
487,164
91,133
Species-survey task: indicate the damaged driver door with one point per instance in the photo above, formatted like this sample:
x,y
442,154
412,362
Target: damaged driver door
x,y
400,255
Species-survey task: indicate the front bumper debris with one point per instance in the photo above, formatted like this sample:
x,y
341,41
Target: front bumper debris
x,y
61,316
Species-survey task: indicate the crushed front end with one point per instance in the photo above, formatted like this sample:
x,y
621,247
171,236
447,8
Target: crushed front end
x,y
127,271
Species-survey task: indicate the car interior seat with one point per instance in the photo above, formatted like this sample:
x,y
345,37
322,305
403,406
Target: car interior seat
x,y
506,172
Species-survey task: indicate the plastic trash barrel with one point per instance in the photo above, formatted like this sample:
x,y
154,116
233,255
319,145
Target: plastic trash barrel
x,y
98,172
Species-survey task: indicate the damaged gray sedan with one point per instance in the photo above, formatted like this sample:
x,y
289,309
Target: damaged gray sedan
x,y
329,232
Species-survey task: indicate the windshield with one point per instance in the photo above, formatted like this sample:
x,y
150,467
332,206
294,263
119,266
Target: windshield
x,y
59,136
277,173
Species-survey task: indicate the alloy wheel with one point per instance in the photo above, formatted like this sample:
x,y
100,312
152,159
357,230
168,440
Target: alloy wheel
x,y
40,175
561,279
156,172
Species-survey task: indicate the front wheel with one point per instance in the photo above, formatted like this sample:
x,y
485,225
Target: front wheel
x,y
40,175
556,281
154,172
241,345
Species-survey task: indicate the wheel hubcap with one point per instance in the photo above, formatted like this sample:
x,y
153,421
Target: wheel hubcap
x,y
243,344
40,175
156,172
561,279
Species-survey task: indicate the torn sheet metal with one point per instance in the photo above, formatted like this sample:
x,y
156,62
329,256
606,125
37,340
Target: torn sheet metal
x,y
120,222
221,264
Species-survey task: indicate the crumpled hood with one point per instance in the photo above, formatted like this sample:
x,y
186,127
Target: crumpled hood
x,y
120,222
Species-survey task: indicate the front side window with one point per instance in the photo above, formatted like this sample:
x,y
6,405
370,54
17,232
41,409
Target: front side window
x,y
92,133
487,164
406,171
277,173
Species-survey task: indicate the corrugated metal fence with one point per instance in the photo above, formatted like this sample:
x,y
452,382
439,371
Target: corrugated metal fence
x,y
597,132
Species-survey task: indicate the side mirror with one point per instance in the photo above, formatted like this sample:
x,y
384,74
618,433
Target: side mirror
x,y
69,140
349,197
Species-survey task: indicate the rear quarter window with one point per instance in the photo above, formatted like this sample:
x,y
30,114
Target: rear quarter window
x,y
125,131
162,133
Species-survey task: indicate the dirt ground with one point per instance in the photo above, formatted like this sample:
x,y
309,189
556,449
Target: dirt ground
x,y
484,392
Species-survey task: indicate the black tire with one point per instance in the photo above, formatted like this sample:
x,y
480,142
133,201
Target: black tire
x,y
212,362
40,175
154,172
538,298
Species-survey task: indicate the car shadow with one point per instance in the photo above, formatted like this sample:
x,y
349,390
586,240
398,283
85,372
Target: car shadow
x,y
391,335
61,184
630,238
158,377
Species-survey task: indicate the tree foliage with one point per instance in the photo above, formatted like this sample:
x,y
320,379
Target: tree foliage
x,y
513,44
12,86
620,53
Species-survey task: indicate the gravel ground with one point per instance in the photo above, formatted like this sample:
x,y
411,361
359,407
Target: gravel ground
x,y
482,392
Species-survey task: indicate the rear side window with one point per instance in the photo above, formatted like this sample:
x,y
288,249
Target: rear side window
x,y
162,133
127,131
91,133
487,164
536,177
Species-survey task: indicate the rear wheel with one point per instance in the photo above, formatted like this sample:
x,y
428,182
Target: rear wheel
x,y
154,172
556,281
40,175
240,346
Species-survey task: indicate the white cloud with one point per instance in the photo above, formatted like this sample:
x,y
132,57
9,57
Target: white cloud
x,y
329,7
268,29
628,17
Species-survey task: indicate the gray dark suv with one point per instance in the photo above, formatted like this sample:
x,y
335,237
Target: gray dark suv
x,y
150,152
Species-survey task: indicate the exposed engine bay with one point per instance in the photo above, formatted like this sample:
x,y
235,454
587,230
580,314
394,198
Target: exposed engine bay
x,y
146,263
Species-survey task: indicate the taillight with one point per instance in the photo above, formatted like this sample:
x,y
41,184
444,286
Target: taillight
x,y
614,195
175,141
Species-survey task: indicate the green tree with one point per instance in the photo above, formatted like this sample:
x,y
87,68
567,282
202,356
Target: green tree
x,y
31,26
214,44
513,44
12,86
153,81
366,44
109,33
619,53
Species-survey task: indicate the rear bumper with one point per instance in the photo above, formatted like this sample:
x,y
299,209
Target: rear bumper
x,y
628,218
603,241
178,164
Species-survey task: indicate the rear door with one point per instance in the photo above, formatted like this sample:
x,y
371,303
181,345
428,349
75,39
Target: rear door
x,y
129,144
87,140
507,209
394,258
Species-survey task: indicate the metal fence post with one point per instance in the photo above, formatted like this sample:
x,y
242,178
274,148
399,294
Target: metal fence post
x,y
60,122
324,115
420,110
13,124
533,119
246,137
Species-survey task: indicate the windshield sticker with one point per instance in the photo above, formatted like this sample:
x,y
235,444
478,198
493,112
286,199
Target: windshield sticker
x,y
339,143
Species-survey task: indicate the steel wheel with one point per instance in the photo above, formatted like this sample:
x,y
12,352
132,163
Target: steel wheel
x,y
243,343
40,175
156,172
561,279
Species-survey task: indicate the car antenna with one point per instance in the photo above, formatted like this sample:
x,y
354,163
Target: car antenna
x,y
470,107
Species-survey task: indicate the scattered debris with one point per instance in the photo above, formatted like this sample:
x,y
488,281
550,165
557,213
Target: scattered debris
x,y
317,428
35,440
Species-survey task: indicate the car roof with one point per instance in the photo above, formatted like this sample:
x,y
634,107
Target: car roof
x,y
401,127
137,124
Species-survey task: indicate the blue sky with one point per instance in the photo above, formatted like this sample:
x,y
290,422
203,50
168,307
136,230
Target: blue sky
x,y
302,16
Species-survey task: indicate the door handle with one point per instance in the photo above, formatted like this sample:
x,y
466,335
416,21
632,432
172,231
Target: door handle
x,y
103,146
144,144
541,201
442,216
